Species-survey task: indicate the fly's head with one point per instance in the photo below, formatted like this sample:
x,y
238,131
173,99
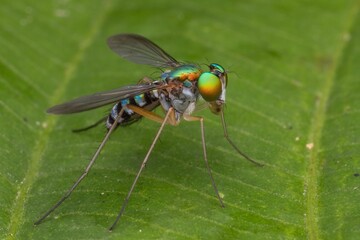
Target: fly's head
x,y
212,87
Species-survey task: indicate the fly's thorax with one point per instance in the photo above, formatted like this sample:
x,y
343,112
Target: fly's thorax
x,y
188,72
182,100
182,96
166,104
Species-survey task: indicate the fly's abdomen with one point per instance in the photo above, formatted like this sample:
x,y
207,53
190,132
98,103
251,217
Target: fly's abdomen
x,y
148,101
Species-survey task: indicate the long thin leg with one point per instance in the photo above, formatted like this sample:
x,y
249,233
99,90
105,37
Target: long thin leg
x,y
201,120
85,172
233,145
170,111
90,126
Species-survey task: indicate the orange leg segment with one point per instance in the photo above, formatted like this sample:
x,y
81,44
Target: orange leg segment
x,y
153,116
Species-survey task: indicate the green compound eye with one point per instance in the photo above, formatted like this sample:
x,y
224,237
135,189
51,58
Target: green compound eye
x,y
209,86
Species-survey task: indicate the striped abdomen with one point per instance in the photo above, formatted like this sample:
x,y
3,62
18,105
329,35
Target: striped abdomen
x,y
147,100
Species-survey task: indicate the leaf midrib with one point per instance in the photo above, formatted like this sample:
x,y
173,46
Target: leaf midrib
x,y
43,137
315,134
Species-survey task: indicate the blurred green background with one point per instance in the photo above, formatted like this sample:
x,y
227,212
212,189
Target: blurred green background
x,y
292,104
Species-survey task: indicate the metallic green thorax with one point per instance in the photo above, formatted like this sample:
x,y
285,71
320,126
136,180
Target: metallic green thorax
x,y
184,72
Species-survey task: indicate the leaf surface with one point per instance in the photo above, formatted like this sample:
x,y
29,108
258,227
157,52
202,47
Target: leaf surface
x,y
292,103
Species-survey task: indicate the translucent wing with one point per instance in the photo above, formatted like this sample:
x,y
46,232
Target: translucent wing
x,y
141,50
100,99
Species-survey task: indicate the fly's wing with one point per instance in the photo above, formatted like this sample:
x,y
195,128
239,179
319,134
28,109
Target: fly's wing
x,y
141,50
100,99
201,104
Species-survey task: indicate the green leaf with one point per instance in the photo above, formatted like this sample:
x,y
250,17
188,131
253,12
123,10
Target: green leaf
x,y
292,103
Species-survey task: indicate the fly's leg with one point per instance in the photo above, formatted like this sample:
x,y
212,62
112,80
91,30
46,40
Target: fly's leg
x,y
201,120
233,145
91,126
40,220
145,113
